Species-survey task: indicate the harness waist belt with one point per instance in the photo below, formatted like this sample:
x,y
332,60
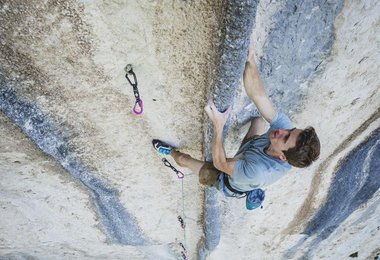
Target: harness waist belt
x,y
227,183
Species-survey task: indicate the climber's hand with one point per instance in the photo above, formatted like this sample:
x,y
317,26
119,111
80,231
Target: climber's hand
x,y
219,119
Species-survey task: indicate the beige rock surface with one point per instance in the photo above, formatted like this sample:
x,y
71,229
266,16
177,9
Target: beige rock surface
x,y
70,60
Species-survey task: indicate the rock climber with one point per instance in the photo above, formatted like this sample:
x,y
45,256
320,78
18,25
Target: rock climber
x,y
263,157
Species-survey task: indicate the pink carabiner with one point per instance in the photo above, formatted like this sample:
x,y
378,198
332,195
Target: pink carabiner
x,y
140,103
180,175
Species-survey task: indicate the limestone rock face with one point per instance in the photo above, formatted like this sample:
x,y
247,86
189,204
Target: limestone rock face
x,y
79,178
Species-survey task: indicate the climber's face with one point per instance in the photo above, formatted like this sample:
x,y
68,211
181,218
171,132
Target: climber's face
x,y
283,140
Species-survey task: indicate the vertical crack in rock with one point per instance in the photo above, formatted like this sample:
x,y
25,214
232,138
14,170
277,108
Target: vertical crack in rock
x,y
118,224
238,28
299,41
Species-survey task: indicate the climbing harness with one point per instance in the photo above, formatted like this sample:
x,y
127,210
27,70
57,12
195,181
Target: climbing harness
x,y
254,198
179,174
138,107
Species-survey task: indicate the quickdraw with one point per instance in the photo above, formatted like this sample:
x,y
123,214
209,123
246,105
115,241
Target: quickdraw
x,y
183,225
179,174
183,247
183,252
138,107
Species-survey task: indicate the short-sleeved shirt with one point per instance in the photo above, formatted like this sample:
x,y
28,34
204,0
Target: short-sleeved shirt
x,y
254,168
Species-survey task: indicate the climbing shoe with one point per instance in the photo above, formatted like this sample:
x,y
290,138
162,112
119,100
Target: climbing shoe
x,y
161,147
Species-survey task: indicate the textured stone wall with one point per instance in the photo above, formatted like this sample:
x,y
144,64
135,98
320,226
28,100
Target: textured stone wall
x,y
79,178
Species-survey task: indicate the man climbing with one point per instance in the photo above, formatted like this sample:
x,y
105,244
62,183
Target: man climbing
x,y
263,157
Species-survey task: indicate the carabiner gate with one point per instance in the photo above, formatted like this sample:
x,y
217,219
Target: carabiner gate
x,y
140,104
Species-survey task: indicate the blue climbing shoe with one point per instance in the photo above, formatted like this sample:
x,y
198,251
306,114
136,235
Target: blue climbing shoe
x,y
161,147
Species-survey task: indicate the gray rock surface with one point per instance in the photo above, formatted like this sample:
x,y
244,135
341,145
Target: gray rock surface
x,y
355,182
239,22
119,226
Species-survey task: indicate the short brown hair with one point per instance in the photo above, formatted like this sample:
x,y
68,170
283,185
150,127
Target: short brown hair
x,y
306,151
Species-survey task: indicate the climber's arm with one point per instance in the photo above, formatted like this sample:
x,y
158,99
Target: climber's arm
x,y
254,87
220,161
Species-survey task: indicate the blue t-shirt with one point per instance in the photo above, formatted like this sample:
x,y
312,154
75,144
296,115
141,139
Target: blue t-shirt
x,y
254,168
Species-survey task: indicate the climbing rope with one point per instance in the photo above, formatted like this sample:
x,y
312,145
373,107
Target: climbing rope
x,y
180,176
183,224
138,107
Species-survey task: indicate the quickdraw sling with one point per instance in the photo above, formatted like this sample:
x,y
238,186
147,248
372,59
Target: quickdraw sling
x,y
138,107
